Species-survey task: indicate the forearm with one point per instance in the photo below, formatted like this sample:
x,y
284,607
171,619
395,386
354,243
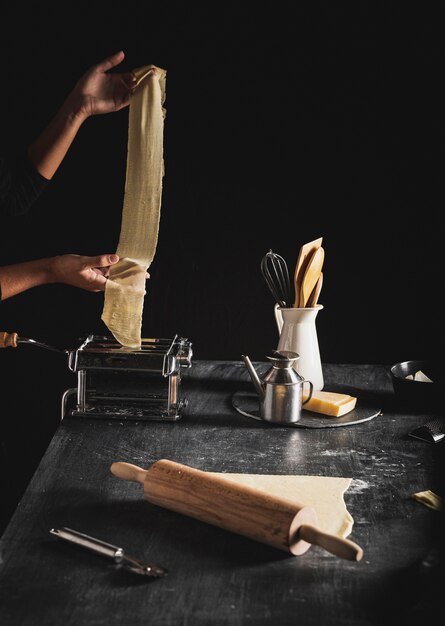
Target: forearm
x,y
50,148
15,279
20,185
85,272
98,91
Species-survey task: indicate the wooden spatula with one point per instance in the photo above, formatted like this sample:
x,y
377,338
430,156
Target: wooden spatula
x,y
306,251
311,276
313,298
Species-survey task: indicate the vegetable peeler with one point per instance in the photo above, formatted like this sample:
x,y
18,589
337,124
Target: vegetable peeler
x,y
118,555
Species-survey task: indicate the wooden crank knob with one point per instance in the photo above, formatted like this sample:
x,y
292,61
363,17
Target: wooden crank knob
x,y
8,340
241,509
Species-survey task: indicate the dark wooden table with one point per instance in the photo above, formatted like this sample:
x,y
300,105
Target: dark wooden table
x,y
216,577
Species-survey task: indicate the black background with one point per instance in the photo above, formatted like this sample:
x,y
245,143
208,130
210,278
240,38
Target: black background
x,y
285,122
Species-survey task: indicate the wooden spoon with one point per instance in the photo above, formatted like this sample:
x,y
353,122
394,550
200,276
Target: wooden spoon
x,y
311,276
313,298
306,251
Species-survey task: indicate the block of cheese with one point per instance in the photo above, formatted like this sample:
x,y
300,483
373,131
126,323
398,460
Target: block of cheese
x,y
330,403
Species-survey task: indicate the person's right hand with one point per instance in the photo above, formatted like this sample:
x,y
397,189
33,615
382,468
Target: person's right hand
x,y
100,91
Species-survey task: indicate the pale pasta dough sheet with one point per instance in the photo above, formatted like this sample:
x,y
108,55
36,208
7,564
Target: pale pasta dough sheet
x,y
126,286
322,493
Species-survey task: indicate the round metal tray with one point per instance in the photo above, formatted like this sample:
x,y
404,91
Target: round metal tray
x,y
246,403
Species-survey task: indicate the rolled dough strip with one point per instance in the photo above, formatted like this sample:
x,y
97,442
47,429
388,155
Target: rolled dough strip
x,y
126,286
322,493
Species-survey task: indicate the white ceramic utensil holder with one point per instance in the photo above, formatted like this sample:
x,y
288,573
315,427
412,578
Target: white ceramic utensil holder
x,y
298,334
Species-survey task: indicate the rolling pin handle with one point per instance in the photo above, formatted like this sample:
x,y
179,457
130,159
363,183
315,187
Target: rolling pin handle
x,y
8,340
343,548
128,471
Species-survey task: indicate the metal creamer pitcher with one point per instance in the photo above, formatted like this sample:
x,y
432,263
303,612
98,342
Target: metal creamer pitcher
x,y
280,391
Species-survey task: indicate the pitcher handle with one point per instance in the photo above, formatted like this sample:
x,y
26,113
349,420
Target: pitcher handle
x,y
311,391
278,317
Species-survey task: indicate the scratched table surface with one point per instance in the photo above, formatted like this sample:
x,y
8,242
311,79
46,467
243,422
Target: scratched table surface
x,y
214,576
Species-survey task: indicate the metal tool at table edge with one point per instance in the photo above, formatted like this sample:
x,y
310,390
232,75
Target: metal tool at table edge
x,y
117,554
12,340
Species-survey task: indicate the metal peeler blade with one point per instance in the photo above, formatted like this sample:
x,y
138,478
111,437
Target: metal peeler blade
x,y
118,555
145,569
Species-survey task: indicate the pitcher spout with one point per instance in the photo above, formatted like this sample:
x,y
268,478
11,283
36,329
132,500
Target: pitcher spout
x,y
254,376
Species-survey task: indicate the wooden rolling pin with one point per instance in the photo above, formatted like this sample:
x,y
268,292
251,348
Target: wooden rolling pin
x,y
238,508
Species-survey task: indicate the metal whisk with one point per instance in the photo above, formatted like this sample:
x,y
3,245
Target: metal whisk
x,y
275,273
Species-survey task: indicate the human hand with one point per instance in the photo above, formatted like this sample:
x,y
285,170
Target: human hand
x,y
86,272
99,91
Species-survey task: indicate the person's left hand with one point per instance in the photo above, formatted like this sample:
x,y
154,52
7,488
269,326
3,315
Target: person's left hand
x,y
99,91
86,272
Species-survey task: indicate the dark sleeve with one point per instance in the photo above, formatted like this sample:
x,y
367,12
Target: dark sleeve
x,y
20,185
